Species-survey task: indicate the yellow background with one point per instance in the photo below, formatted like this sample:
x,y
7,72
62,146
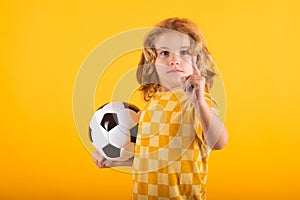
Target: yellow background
x,y
43,44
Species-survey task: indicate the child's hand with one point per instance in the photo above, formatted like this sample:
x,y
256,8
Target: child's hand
x,y
194,86
100,161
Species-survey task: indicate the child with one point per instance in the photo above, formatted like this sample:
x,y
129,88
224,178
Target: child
x,y
177,127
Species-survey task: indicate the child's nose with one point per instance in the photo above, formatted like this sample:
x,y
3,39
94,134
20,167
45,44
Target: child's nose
x,y
174,61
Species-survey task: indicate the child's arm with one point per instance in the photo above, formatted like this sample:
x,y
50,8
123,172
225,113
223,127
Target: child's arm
x,y
101,162
214,131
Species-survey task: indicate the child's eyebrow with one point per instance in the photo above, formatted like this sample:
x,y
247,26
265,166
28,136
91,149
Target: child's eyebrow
x,y
167,48
185,47
163,48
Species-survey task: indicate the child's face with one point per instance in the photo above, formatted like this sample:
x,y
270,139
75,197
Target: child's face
x,y
173,59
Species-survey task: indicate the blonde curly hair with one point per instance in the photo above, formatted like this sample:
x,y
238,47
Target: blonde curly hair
x,y
146,72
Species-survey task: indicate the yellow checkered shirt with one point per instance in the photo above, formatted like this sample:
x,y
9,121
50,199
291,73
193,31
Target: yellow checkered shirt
x,y
171,157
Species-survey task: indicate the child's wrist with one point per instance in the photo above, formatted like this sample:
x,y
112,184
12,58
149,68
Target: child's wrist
x,y
202,102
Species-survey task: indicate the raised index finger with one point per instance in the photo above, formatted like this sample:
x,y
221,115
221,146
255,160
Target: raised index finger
x,y
196,71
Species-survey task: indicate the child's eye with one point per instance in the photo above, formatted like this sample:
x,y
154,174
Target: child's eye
x,y
164,53
184,52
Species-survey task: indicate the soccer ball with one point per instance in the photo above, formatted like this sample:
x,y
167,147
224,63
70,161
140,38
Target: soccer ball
x,y
113,130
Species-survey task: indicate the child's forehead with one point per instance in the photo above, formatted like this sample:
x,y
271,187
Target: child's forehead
x,y
172,40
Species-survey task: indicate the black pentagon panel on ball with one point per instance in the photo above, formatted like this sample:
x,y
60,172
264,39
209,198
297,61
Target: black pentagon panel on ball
x,y
133,133
90,134
131,106
111,151
109,121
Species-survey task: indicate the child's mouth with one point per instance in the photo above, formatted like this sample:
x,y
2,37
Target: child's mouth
x,y
175,70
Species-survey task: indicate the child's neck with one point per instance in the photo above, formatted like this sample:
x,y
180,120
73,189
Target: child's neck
x,y
165,89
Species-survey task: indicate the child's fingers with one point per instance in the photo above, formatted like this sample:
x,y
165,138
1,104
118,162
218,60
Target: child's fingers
x,y
193,82
196,71
107,163
186,83
97,156
183,79
101,163
98,159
